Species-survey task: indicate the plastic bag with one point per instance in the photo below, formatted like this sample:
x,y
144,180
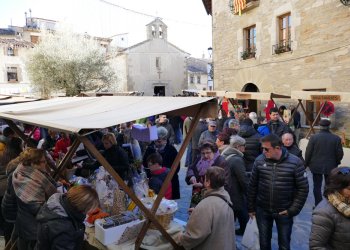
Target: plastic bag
x,y
250,240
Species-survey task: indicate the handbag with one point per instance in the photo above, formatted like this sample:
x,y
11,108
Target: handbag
x,y
250,240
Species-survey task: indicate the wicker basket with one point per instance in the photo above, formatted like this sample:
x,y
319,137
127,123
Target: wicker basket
x,y
164,220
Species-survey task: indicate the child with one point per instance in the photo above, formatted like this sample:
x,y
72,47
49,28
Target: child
x,y
158,174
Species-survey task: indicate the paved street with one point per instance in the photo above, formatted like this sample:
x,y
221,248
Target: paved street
x,y
302,223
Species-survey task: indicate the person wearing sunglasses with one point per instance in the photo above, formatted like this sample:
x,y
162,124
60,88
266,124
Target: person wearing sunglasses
x,y
323,153
331,217
277,191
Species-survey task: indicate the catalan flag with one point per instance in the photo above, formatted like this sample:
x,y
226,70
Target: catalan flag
x,y
239,5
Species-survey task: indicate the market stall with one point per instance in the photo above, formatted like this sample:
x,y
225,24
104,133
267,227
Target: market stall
x,y
323,97
84,115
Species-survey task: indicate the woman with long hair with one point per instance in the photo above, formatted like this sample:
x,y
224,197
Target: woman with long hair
x,y
33,186
331,217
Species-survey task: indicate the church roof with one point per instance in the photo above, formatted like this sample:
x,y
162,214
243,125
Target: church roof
x,y
149,40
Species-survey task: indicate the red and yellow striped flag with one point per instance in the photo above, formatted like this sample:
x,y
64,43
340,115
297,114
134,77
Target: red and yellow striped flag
x,y
239,5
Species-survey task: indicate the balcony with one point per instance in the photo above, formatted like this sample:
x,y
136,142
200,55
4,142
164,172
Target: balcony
x,y
282,47
250,4
248,53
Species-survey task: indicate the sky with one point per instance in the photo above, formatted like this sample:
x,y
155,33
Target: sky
x,y
189,26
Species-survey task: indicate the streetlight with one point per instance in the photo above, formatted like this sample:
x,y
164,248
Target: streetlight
x,y
210,71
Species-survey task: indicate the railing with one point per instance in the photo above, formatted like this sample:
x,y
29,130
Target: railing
x,y
248,53
282,47
250,4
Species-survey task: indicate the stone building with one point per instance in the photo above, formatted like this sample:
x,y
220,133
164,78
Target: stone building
x,y
154,66
280,46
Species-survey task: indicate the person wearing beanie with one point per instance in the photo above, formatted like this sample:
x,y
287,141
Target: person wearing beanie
x,y
237,181
168,153
323,153
210,134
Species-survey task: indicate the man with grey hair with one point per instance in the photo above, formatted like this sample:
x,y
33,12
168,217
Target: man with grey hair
x,y
236,179
323,153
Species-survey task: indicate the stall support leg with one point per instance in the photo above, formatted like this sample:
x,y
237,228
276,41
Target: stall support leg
x,y
315,120
176,162
14,127
126,189
68,156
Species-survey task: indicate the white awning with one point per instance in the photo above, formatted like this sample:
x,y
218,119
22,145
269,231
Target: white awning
x,y
73,114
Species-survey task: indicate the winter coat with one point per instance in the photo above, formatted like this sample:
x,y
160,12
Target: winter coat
x,y
237,182
157,179
168,154
192,170
9,201
201,127
171,133
295,150
330,228
263,130
323,152
118,159
59,225
252,145
278,128
280,185
211,224
208,136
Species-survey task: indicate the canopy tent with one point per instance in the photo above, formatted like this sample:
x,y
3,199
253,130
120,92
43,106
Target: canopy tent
x,y
318,96
73,114
9,99
120,93
80,115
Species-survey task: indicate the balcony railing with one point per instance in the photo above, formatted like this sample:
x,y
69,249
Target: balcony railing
x,y
250,4
248,53
282,47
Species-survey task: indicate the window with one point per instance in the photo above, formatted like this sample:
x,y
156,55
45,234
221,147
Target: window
x,y
12,74
158,63
191,78
10,51
198,79
249,42
284,34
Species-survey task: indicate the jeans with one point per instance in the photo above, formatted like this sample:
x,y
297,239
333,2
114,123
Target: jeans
x,y
188,161
318,178
284,225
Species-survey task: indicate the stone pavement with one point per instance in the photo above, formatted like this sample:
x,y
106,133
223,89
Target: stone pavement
x,y
302,222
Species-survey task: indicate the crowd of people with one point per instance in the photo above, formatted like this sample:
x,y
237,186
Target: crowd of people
x,y
240,167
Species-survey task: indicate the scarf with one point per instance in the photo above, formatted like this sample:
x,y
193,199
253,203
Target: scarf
x,y
203,165
340,203
32,185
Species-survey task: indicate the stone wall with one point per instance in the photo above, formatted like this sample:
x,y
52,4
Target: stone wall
x,y
320,43
320,56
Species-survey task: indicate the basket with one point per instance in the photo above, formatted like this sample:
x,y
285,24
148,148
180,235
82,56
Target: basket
x,y
164,220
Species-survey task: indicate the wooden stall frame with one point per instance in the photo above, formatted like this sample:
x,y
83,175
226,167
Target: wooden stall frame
x,y
150,214
168,178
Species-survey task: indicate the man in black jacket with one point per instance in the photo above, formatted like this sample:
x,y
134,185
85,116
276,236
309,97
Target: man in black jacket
x,y
275,125
277,191
323,153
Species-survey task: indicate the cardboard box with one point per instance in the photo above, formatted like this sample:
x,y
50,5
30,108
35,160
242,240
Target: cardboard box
x,y
118,234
